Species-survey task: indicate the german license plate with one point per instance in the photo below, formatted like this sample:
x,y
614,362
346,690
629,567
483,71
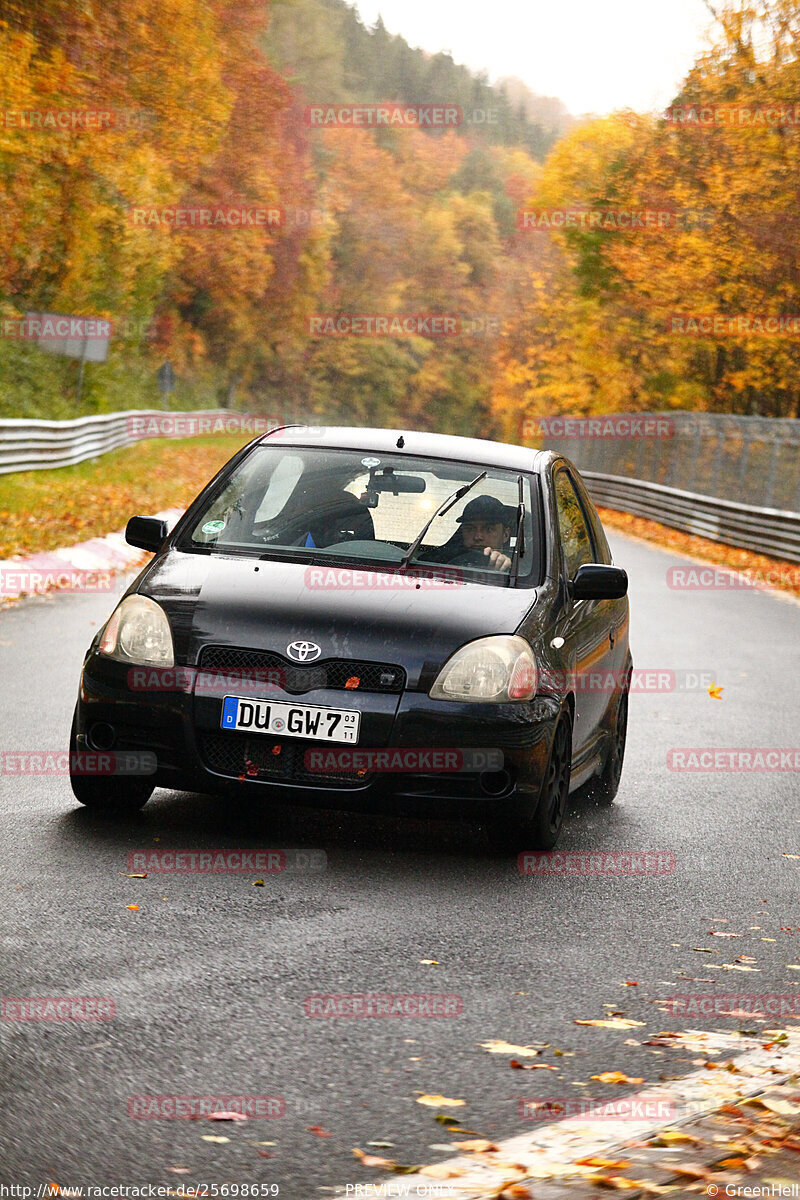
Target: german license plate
x,y
291,720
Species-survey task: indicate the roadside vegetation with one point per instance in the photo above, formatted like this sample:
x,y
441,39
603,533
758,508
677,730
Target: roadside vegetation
x,y
43,510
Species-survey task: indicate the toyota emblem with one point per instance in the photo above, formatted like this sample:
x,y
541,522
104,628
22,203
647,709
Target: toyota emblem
x,y
303,651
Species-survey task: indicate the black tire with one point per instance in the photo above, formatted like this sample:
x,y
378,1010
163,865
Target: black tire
x,y
606,785
110,794
539,828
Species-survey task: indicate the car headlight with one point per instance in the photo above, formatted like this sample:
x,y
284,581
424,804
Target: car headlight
x,y
496,668
138,631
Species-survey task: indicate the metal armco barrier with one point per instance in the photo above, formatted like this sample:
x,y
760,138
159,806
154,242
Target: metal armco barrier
x,y
31,445
769,531
722,455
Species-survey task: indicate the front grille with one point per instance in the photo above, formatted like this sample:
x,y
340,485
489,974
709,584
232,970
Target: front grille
x,y
333,673
241,756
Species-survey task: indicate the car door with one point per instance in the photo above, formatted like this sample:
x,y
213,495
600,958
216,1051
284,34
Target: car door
x,y
585,625
617,610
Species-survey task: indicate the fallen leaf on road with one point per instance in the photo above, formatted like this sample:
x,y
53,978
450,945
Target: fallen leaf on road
x,y
477,1145
318,1131
179,1170
226,1116
617,1182
631,983
258,883
372,1160
210,1137
612,1023
133,907
615,1077
670,1137
496,1047
723,933
793,966
715,691
690,1170
429,962
594,1161
518,1066
703,950
439,1101
783,1108
441,1171
135,876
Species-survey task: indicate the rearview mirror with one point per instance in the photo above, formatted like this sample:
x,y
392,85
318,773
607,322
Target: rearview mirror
x,y
146,532
387,481
596,581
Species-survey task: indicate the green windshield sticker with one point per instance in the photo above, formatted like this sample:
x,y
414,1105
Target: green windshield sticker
x,y
213,527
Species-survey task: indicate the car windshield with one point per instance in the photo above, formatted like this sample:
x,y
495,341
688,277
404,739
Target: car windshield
x,y
317,504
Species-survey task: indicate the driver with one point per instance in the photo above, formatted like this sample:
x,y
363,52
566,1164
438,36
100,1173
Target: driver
x,y
486,526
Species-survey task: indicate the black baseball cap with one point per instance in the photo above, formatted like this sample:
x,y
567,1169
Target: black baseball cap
x,y
485,508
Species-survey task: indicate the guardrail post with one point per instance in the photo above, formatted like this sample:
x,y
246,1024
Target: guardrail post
x,y
773,470
717,463
744,461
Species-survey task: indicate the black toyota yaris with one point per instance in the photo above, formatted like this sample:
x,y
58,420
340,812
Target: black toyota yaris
x,y
368,619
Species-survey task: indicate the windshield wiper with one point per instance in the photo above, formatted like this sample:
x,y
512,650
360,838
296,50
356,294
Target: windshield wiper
x,y
441,510
513,570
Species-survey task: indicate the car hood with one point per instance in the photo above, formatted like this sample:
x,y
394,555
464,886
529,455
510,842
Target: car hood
x,y
373,615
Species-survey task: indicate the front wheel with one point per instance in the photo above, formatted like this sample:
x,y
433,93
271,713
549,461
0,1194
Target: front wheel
x,y
540,829
607,783
112,794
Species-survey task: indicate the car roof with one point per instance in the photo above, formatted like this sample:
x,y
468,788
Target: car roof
x,y
422,445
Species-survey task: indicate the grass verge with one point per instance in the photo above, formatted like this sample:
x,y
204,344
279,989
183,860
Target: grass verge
x,y
42,510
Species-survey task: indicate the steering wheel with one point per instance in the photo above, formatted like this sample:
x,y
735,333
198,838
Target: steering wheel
x,y
472,558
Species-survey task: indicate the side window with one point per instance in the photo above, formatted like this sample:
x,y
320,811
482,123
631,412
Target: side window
x,y
575,537
596,525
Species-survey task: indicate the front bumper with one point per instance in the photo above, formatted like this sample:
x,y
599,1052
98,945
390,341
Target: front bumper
x,y
181,727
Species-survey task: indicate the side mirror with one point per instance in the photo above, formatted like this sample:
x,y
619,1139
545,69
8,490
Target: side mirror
x,y
146,532
596,581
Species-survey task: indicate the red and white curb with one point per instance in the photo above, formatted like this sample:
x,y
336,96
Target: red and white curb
x,y
549,1153
86,567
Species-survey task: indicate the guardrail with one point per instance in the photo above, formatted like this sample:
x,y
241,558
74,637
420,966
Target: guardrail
x,y
723,455
771,531
31,445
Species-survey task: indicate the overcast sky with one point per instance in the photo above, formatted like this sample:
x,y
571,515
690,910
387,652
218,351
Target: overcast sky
x,y
595,55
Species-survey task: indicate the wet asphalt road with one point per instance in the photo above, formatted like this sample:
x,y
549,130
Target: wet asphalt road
x,y
209,976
